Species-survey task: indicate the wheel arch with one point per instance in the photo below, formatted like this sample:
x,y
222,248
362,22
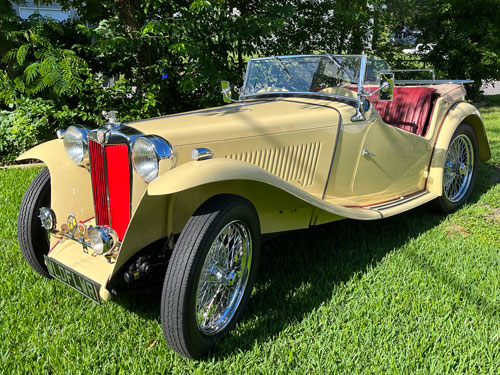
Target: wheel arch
x,y
457,114
161,215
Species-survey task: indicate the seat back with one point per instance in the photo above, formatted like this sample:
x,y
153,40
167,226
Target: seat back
x,y
410,109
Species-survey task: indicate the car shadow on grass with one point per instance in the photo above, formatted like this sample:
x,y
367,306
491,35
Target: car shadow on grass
x,y
299,270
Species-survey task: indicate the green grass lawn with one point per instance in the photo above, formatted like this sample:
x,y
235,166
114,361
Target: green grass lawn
x,y
416,293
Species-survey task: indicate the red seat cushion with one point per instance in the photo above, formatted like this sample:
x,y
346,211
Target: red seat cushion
x,y
410,108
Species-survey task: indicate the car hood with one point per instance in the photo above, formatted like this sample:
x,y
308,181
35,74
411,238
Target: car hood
x,y
246,119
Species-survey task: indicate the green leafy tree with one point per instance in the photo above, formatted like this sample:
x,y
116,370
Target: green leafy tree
x,y
8,22
38,64
461,39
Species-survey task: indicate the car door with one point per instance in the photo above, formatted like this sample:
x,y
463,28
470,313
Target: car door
x,y
391,162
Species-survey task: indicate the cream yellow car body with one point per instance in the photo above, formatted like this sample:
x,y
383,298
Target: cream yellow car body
x,y
299,161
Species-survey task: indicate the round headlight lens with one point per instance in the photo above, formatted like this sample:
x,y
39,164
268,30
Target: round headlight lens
x,y
76,144
152,155
145,160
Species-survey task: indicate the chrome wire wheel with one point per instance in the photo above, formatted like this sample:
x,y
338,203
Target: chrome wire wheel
x,y
223,278
459,168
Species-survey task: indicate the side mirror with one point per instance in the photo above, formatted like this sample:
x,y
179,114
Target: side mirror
x,y
226,91
386,86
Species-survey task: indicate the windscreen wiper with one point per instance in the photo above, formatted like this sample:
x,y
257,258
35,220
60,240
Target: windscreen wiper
x,y
338,65
282,65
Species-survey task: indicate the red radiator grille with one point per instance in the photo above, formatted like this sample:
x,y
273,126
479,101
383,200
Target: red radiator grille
x,y
99,183
113,159
118,187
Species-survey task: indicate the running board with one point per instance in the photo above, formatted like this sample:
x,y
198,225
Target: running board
x,y
403,204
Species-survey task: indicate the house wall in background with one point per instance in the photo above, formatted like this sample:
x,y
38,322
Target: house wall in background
x,y
55,11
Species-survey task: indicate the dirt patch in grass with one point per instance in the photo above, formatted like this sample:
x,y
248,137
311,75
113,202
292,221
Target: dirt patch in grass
x,y
455,229
496,173
494,213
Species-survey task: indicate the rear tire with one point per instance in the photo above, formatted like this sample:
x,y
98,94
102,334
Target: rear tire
x,y
460,170
210,276
33,239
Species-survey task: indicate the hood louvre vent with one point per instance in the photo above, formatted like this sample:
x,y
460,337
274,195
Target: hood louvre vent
x,y
294,163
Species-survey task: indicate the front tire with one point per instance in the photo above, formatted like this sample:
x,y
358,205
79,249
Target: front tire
x,y
210,276
33,239
460,169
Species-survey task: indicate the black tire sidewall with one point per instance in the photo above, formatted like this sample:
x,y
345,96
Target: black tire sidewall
x,y
446,205
197,343
244,214
32,238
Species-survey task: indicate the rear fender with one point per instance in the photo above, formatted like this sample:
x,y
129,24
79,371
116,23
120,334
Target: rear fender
x,y
460,112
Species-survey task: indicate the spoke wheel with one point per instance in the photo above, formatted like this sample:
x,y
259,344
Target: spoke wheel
x,y
460,168
224,277
210,275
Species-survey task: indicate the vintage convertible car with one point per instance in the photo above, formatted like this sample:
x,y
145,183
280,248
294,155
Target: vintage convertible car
x,y
187,198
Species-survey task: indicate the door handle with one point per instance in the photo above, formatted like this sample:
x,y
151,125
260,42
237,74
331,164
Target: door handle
x,y
367,153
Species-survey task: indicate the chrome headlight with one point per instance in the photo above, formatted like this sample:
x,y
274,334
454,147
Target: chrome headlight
x,y
76,144
151,156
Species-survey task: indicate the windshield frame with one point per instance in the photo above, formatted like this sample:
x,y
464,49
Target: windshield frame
x,y
360,83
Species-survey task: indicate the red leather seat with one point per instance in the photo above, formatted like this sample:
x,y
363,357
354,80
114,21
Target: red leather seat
x,y
410,108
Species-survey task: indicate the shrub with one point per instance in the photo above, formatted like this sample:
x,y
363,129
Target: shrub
x,y
27,124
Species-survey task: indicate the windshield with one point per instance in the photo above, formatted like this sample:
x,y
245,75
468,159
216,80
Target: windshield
x,y
340,75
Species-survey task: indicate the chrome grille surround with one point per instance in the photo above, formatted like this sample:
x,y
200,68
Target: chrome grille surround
x,y
101,139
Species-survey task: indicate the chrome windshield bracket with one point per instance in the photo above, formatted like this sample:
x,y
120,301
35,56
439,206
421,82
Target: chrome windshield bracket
x,y
359,115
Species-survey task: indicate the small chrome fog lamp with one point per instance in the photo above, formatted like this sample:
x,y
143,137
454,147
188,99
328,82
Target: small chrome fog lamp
x,y
48,218
103,239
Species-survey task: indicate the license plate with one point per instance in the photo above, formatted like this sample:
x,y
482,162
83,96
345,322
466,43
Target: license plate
x,y
72,278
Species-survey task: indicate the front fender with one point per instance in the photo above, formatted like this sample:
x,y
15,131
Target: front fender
x,y
202,173
460,112
75,197
173,197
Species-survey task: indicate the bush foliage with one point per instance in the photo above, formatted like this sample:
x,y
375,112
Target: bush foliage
x,y
23,127
144,58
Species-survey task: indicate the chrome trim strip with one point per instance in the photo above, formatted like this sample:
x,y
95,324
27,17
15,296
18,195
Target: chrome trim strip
x,y
297,56
313,95
397,202
431,82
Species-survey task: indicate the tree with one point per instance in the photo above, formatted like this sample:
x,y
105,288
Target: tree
x,y
461,39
